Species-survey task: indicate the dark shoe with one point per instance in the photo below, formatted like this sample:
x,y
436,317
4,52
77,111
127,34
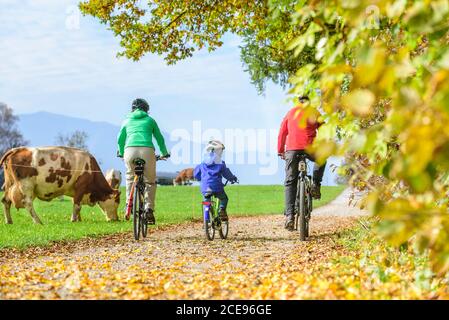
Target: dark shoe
x,y
151,220
290,223
316,191
223,215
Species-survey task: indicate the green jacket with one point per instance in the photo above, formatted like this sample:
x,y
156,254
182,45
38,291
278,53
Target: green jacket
x,y
138,131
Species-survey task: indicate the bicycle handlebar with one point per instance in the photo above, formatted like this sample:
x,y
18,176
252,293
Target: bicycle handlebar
x,y
227,181
162,158
158,157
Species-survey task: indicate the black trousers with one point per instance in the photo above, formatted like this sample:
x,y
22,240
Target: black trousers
x,y
291,177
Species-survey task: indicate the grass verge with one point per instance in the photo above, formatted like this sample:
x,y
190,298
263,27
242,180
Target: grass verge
x,y
174,205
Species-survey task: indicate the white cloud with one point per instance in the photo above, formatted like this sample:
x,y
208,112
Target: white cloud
x,y
42,61
42,55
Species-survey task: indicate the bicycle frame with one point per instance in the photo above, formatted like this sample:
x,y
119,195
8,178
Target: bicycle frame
x,y
213,204
138,181
212,220
136,199
303,170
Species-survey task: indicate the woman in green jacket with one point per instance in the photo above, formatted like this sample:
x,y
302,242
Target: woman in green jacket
x,y
135,140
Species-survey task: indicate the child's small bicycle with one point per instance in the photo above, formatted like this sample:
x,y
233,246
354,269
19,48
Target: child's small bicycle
x,y
212,220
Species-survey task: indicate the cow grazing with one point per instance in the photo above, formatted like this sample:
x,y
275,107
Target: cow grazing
x,y
50,172
184,177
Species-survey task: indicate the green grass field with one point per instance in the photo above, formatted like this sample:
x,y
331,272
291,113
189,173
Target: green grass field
x,y
174,205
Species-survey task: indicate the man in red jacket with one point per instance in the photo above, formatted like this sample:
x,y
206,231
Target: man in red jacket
x,y
292,141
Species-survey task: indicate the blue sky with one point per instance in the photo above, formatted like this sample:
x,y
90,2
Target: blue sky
x,y
47,66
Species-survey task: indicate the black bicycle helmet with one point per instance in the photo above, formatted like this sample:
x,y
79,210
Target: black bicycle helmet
x,y
140,104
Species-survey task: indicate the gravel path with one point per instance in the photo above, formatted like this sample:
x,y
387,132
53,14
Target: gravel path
x,y
178,263
344,205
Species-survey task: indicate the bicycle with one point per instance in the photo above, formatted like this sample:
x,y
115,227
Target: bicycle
x,y
136,201
211,217
304,202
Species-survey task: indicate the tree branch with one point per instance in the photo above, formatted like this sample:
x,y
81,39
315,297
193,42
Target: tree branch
x,y
175,19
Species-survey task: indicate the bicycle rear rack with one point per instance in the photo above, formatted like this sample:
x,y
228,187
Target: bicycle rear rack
x,y
139,170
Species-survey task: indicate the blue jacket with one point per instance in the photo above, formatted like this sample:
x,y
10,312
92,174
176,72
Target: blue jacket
x,y
211,176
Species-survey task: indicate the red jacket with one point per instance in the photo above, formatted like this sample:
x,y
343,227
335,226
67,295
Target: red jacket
x,y
294,137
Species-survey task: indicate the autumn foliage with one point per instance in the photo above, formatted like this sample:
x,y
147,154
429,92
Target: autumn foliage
x,y
382,68
377,70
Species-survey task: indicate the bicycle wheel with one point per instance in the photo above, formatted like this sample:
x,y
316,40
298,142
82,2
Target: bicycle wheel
x,y
302,212
296,214
309,211
137,213
224,229
208,223
143,219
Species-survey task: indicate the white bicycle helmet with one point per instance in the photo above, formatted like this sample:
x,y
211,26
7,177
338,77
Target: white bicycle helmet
x,y
214,145
214,152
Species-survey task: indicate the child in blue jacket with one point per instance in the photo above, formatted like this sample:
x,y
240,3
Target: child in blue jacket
x,y
211,172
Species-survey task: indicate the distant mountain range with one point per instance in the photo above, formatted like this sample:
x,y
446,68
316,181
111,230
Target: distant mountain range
x,y
42,128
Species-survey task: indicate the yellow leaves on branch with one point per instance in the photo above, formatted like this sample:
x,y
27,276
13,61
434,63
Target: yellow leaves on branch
x,y
360,102
370,66
386,96
174,28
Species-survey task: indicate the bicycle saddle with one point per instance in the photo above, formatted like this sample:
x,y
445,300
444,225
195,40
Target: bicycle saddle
x,y
139,162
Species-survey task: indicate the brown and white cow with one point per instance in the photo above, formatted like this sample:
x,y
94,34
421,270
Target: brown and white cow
x,y
184,177
114,178
50,172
